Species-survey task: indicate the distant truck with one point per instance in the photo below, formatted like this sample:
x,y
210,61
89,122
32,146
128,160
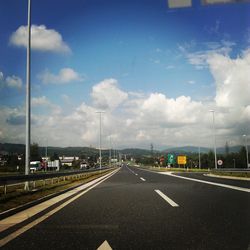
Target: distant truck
x,y
35,166
53,165
84,165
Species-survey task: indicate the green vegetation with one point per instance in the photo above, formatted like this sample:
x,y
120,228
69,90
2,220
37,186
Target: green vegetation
x,y
231,156
232,174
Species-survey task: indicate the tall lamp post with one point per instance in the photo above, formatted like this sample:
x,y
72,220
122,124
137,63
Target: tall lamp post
x,y
110,150
245,136
199,157
215,155
100,138
27,137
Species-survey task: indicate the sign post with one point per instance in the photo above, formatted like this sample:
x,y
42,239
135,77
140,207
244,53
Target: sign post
x,y
171,159
182,160
220,162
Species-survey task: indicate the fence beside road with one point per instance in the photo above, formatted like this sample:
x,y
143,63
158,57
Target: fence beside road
x,y
12,180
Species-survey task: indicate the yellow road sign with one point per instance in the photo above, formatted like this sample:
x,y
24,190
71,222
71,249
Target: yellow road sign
x,y
182,159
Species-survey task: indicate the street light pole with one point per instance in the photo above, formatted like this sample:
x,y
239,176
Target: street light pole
x,y
215,155
110,151
46,149
100,138
245,136
199,157
27,136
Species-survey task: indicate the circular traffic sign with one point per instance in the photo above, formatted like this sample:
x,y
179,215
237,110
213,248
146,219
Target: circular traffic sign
x,y
220,162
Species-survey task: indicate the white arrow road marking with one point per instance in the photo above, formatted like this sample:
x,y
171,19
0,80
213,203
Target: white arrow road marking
x,y
104,246
167,199
142,179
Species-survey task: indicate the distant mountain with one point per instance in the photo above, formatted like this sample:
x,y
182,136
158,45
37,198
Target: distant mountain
x,y
69,151
203,150
187,149
12,148
88,151
136,151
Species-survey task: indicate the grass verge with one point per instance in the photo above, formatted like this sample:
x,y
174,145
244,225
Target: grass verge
x,y
157,169
195,170
233,174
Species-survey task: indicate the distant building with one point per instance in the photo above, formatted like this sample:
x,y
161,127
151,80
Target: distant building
x,y
3,160
68,160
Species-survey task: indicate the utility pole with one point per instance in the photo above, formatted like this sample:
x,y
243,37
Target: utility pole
x,y
215,155
199,157
245,136
27,138
110,149
100,138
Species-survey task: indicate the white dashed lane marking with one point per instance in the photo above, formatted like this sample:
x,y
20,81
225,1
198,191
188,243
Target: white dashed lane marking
x,y
167,199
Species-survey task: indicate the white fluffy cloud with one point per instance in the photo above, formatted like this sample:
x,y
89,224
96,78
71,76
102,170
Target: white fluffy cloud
x,y
107,95
10,81
42,39
64,76
170,112
40,101
232,79
138,119
14,82
199,58
44,102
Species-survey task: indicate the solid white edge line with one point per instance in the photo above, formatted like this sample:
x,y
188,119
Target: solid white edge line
x,y
167,199
208,182
142,179
247,190
22,230
29,212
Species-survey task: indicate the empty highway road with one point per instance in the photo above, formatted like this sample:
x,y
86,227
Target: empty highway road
x,y
138,209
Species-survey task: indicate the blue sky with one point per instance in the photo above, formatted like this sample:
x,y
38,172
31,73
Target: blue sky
x,y
146,52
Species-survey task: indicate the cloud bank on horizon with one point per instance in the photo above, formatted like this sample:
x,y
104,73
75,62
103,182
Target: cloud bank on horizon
x,y
171,108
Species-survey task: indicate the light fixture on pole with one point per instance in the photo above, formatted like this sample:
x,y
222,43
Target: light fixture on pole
x,y
27,135
245,136
215,155
100,138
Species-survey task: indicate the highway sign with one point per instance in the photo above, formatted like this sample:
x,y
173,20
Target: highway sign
x,y
182,159
171,159
220,162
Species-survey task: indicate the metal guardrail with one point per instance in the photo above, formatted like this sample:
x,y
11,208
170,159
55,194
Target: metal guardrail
x,y
18,179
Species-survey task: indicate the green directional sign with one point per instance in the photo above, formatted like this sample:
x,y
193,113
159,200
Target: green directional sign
x,y
171,159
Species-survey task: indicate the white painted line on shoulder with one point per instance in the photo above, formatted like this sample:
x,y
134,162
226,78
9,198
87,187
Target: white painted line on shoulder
x,y
136,174
209,182
167,199
104,246
142,179
130,170
45,216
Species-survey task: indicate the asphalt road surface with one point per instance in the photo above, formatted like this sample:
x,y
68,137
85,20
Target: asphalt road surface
x,y
138,209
